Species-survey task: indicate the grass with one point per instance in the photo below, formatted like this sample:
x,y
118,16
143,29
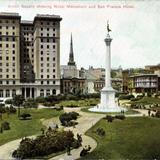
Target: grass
x,y
132,138
23,128
128,112
147,100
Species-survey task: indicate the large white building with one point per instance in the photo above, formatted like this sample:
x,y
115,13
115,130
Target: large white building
x,y
29,55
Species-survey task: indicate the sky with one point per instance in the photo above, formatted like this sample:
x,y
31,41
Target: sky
x,y
135,29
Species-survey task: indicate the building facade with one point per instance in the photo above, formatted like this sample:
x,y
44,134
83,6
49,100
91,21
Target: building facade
x,y
29,55
144,83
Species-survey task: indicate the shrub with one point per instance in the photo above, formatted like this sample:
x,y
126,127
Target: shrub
x,y
109,118
25,116
100,131
5,125
157,114
128,97
67,117
121,117
12,109
50,142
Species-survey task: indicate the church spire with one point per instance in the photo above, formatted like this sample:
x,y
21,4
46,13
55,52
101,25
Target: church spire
x,y
71,54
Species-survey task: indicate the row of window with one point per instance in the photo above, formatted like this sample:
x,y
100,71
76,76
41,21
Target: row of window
x,y
48,59
48,40
7,33
48,70
8,58
7,76
7,93
7,82
48,29
7,51
48,76
48,64
7,39
48,82
7,27
7,21
48,46
7,70
7,45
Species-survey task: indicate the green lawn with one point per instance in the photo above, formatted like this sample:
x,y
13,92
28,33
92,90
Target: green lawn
x,y
22,128
133,138
147,100
79,103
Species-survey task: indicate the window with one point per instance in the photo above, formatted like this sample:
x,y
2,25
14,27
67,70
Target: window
x,y
13,27
41,40
47,23
41,52
0,76
53,91
47,34
54,29
0,45
13,64
41,29
14,76
13,58
47,82
53,46
13,52
41,34
53,58
13,93
13,39
47,64
7,70
41,76
53,40
54,82
1,93
47,92
7,45
6,27
0,33
7,39
7,64
53,70
13,33
0,58
0,69
41,93
47,76
13,70
13,45
7,93
1,82
41,58
7,82
7,58
47,40
7,76
53,76
47,70
47,29
41,82
41,46
41,64
14,82
41,70
47,58
47,46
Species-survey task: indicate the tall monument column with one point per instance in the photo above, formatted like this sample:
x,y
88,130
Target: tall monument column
x,y
107,102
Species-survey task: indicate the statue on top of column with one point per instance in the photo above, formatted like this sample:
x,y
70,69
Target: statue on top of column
x,y
108,29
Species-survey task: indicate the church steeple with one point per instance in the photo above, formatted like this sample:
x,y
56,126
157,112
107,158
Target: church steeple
x,y
71,54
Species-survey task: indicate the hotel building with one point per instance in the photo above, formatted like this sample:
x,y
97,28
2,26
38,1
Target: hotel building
x,y
29,55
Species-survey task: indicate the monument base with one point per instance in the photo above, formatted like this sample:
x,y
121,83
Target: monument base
x,y
108,103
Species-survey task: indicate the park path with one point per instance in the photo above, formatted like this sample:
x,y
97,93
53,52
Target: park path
x,y
85,122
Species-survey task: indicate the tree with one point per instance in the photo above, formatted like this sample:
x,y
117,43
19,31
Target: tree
x,y
18,101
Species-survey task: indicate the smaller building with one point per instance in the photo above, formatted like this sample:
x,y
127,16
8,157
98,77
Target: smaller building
x,y
72,85
144,83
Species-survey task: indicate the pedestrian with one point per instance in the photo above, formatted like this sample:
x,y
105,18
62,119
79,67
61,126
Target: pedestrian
x,y
149,112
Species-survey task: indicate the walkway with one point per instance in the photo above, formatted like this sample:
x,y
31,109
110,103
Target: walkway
x,y
85,122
